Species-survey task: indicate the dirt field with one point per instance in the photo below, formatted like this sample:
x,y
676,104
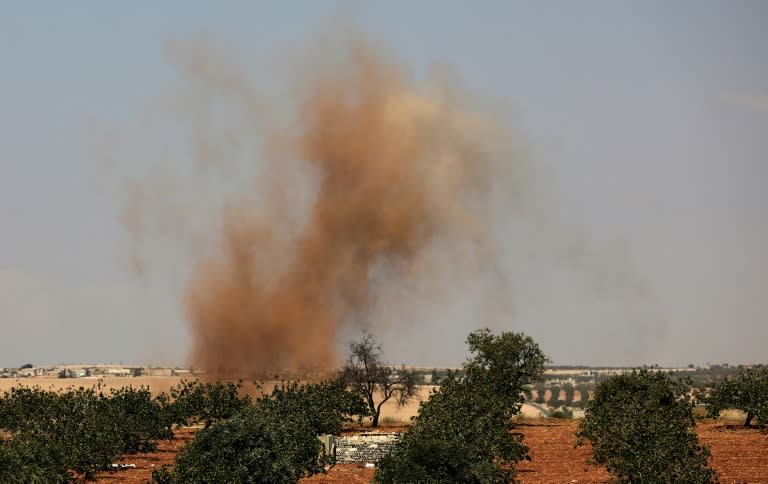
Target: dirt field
x,y
740,455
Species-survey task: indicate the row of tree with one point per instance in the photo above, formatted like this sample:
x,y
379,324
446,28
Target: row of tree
x,y
55,436
640,424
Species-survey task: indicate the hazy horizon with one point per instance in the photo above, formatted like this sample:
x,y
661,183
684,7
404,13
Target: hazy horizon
x,y
630,231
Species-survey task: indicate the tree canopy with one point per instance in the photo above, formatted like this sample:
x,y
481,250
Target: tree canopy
x,y
463,432
640,425
747,392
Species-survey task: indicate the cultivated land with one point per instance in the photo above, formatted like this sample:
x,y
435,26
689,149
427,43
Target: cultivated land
x,y
156,384
739,455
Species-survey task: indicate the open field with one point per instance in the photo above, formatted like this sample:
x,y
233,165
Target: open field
x,y
739,455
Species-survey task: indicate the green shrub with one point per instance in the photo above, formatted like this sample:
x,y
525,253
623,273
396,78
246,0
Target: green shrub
x,y
258,445
569,392
435,460
640,426
81,429
747,392
273,440
24,459
195,401
325,405
138,418
463,432
554,400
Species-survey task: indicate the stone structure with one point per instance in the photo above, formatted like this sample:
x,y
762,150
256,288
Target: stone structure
x,y
364,448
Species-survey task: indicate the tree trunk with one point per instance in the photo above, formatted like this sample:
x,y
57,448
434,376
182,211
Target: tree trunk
x,y
750,416
375,419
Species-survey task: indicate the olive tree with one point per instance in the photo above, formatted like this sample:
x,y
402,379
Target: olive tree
x,y
326,405
463,433
747,392
255,445
271,440
208,402
554,396
375,381
569,392
640,425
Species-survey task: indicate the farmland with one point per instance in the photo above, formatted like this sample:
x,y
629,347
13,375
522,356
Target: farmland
x,y
738,455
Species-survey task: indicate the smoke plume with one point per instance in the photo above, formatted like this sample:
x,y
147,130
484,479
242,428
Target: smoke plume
x,y
360,179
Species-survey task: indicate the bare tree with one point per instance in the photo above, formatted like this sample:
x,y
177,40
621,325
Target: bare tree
x,y
368,376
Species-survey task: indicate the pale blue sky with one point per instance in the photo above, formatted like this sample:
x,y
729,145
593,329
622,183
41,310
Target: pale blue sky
x,y
649,118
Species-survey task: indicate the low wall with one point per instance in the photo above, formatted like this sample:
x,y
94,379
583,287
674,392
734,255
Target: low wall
x,y
364,448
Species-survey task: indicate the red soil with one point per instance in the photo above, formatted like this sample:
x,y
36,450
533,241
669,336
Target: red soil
x,y
739,455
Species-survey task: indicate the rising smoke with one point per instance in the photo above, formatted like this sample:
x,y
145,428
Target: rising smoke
x,y
359,180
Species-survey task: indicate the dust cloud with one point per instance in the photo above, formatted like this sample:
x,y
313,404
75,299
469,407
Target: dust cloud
x,y
322,196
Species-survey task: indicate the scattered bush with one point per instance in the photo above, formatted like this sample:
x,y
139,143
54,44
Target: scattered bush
x,y
640,425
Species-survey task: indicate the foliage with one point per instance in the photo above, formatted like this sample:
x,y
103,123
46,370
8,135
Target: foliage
x,y
569,391
583,394
461,435
368,376
140,418
195,401
747,392
463,432
528,393
75,425
640,425
271,441
80,429
23,459
325,405
434,377
554,396
562,414
506,363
